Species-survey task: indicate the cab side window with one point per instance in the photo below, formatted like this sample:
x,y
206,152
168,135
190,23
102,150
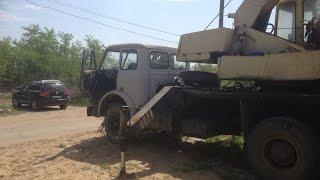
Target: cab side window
x,y
159,60
129,60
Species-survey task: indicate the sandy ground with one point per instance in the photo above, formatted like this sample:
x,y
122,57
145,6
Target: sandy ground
x,y
88,155
58,144
48,122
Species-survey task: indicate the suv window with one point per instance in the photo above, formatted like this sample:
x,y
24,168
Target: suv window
x,y
129,60
53,87
159,60
176,64
111,60
25,87
34,87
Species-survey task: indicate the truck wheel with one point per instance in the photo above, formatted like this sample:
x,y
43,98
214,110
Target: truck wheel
x,y
282,148
112,122
35,105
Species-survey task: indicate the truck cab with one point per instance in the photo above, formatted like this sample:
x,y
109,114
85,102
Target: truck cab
x,y
128,74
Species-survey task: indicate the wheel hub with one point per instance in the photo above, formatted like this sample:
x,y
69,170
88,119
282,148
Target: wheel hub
x,y
281,154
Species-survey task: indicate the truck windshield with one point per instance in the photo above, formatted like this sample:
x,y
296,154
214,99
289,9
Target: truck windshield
x,y
286,21
111,60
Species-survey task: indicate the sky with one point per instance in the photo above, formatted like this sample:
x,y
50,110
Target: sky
x,y
174,16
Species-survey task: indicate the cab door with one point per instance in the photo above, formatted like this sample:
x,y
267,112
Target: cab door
x,y
132,75
88,68
23,94
159,71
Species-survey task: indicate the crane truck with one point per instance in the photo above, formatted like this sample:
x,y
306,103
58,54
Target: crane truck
x,y
267,87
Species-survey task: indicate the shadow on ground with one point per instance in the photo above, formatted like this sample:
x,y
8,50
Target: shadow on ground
x,y
179,160
42,109
8,110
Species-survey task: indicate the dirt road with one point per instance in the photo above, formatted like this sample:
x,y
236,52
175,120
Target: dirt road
x,y
56,144
47,123
88,155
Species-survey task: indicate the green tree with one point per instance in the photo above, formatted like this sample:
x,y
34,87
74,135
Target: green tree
x,y
42,53
205,67
5,55
95,45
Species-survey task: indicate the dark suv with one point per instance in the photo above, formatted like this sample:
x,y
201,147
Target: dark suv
x,y
41,93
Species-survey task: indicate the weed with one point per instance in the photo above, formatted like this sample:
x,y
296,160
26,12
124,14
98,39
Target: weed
x,y
79,101
6,109
105,166
62,146
233,142
62,171
86,168
216,139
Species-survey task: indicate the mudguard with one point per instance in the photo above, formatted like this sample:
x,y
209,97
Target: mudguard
x,y
123,96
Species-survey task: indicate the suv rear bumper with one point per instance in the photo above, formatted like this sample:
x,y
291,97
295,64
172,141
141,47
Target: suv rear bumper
x,y
53,102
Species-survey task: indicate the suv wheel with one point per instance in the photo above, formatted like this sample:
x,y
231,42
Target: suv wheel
x,y
63,106
15,103
34,105
282,148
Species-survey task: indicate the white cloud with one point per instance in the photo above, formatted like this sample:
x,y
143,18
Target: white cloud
x,y
32,7
4,16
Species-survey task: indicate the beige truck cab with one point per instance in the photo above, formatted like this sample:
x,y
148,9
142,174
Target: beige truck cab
x,y
128,75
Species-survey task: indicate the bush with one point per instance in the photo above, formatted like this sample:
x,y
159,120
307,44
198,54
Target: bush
x,y
78,99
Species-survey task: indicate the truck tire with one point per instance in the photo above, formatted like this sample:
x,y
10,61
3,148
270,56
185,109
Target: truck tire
x,y
282,148
199,79
111,125
112,122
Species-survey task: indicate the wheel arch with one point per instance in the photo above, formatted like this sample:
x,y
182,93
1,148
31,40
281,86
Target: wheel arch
x,y
254,111
115,96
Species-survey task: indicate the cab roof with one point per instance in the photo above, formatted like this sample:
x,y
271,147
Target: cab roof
x,y
135,45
